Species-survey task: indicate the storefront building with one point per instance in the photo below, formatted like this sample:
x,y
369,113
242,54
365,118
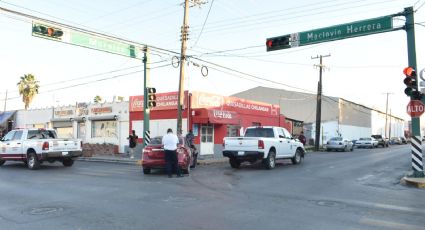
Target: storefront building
x,y
98,123
211,117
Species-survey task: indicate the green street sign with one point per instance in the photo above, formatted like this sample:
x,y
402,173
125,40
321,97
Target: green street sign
x,y
332,33
343,31
69,36
103,44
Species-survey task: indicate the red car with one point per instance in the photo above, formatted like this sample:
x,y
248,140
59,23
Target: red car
x,y
153,156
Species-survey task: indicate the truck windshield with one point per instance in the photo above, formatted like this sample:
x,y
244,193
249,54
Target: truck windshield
x,y
259,132
41,134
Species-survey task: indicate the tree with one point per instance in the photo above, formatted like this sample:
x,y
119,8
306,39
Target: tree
x,y
28,88
97,99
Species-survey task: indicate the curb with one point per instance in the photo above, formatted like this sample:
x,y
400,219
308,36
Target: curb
x,y
414,182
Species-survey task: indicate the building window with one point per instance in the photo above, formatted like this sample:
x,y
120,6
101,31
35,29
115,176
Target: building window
x,y
104,129
233,131
81,130
207,133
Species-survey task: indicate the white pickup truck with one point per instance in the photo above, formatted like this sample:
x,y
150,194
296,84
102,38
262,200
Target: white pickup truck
x,y
266,143
33,146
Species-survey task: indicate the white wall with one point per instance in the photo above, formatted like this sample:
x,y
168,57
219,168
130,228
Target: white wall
x,y
159,127
29,118
378,125
354,132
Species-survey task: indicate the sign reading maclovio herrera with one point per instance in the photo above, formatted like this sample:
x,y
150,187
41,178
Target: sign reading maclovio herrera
x,y
337,32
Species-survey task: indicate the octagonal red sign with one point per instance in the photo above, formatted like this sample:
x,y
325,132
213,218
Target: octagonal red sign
x,y
415,108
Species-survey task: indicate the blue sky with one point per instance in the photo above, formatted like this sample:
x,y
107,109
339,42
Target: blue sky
x,y
360,69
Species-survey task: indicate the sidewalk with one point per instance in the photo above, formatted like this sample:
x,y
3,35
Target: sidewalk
x,y
124,159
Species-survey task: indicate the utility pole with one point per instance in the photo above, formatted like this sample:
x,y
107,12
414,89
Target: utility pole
x,y
319,102
184,31
5,102
146,109
386,117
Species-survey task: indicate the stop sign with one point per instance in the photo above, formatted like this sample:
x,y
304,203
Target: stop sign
x,y
415,108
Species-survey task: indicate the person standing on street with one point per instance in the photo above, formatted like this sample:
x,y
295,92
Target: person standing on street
x,y
133,143
189,138
302,138
170,142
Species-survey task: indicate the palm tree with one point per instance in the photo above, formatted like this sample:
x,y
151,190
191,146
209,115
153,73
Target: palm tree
x,y
97,99
28,88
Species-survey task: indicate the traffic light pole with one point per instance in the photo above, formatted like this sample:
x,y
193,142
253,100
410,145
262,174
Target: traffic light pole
x,y
146,109
417,162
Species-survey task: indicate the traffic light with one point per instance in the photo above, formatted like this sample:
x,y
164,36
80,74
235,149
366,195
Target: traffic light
x,y
45,31
411,82
277,43
151,97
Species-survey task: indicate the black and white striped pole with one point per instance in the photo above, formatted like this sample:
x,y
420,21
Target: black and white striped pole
x,y
147,138
417,164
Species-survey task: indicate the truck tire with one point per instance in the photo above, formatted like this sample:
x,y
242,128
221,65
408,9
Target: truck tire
x,y
68,162
32,160
234,163
297,159
146,171
270,161
2,162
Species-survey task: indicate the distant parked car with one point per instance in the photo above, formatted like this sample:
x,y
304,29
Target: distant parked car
x,y
403,140
339,144
382,141
396,141
367,142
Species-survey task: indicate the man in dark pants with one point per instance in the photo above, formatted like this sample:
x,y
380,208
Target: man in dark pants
x,y
170,142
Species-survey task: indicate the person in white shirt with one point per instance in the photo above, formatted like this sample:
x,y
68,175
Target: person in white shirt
x,y
170,142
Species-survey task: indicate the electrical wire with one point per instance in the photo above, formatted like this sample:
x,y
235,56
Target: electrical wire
x,y
203,26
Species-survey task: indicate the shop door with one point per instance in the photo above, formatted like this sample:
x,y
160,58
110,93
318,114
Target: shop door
x,y
207,140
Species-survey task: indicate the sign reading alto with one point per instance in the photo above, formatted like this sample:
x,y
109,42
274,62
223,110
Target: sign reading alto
x,y
415,108
332,33
65,35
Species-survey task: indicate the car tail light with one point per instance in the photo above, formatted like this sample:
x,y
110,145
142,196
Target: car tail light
x,y
260,144
45,146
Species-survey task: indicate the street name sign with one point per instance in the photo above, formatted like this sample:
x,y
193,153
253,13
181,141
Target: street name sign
x,y
415,108
338,32
86,40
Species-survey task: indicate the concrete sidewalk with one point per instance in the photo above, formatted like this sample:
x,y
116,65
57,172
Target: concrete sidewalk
x,y
124,159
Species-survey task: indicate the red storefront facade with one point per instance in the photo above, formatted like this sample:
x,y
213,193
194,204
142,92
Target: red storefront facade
x,y
211,117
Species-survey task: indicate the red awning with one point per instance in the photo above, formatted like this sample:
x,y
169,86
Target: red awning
x,y
217,117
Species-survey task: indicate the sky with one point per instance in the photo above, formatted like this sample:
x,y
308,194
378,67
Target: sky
x,y
227,37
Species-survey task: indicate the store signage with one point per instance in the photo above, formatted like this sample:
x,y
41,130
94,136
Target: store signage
x,y
63,113
242,106
223,117
164,101
101,110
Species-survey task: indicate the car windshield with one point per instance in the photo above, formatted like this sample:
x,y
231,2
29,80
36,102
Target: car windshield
x,y
365,139
259,132
336,139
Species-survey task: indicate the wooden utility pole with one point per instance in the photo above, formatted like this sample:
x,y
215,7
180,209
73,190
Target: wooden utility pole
x,y
319,102
5,102
184,31
386,118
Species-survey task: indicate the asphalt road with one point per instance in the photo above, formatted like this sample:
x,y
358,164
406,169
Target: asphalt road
x,y
336,190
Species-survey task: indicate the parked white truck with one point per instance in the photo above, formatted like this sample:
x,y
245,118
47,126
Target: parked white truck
x,y
34,146
265,143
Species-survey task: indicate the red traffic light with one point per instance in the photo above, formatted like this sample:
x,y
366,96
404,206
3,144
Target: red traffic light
x,y
269,43
409,71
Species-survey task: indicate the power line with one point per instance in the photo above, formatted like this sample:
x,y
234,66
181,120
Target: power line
x,y
203,26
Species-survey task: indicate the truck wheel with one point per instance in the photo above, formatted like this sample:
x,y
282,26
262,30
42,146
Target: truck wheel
x,y
2,162
297,157
32,160
146,171
68,162
234,163
270,161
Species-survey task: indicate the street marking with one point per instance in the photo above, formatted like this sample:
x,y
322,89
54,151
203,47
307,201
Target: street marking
x,y
389,225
